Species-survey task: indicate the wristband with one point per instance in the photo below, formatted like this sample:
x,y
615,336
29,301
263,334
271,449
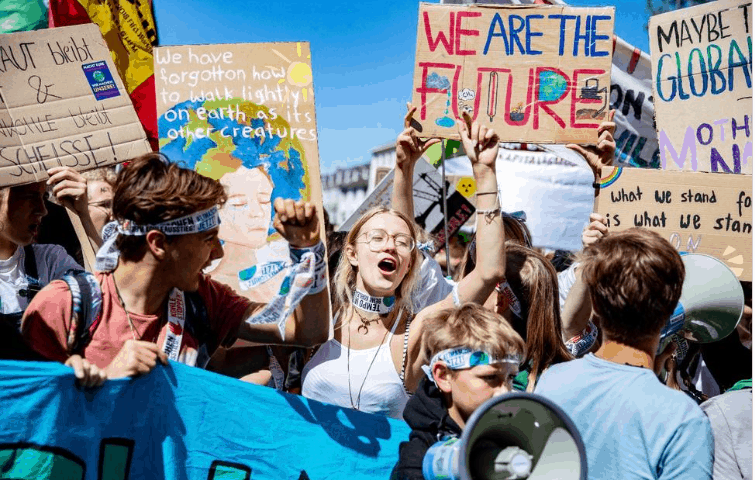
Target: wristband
x,y
320,280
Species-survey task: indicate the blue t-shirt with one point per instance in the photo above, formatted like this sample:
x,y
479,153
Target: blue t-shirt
x,y
633,427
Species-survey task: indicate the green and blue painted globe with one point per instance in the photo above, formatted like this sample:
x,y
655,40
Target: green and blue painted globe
x,y
221,152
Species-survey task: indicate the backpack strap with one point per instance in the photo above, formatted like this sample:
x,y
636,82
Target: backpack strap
x,y
86,309
30,262
32,275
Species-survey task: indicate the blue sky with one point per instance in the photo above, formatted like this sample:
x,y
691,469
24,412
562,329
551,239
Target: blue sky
x,y
362,56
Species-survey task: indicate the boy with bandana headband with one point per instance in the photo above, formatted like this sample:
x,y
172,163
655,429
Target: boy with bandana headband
x,y
155,302
473,355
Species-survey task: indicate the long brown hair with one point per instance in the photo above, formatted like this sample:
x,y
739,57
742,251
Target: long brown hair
x,y
535,284
346,274
516,231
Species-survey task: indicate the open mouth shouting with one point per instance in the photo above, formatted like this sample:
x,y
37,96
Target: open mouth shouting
x,y
387,265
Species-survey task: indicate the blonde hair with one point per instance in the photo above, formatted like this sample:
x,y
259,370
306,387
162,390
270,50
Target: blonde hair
x,y
471,326
102,174
346,274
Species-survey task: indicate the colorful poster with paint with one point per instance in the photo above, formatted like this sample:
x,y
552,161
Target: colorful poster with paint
x,y
697,212
243,114
702,87
62,103
539,74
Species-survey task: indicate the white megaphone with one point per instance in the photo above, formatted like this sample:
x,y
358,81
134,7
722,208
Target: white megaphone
x,y
512,436
711,304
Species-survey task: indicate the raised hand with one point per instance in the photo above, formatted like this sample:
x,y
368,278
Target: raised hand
x,y
87,374
69,188
135,358
600,155
595,230
409,147
480,142
297,222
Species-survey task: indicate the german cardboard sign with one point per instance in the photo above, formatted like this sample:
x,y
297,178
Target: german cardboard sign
x,y
697,212
702,87
537,74
428,201
243,114
62,103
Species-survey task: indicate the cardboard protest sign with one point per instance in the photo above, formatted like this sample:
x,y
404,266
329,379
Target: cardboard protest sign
x,y
62,103
243,114
428,206
697,212
702,87
538,74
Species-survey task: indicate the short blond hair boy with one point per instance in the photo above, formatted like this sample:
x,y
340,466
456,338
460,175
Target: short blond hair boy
x,y
472,355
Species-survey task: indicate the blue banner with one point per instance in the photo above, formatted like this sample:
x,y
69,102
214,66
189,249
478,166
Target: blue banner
x,y
180,422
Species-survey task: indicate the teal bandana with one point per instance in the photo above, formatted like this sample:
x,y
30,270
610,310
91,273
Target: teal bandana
x,y
461,358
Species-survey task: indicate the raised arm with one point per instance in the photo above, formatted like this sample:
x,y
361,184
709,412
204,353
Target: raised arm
x,y
481,146
70,189
578,306
409,148
309,325
600,155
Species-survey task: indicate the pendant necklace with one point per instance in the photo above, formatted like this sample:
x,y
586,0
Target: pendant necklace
x,y
348,364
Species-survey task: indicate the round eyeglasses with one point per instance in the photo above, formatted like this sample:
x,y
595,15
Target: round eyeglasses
x,y
377,239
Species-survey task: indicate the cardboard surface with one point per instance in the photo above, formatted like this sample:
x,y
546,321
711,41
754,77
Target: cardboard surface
x,y
702,87
243,114
537,74
427,188
697,212
62,103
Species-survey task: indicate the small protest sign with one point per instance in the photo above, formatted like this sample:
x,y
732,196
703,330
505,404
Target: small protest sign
x,y
243,114
62,103
538,74
702,87
697,212
428,205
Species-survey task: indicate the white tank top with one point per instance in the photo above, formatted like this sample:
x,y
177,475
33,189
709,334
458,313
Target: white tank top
x,y
325,378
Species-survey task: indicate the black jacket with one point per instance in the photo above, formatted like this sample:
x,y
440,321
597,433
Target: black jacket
x,y
428,416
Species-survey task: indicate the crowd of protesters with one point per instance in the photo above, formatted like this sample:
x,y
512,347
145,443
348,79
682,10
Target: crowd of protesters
x,y
401,337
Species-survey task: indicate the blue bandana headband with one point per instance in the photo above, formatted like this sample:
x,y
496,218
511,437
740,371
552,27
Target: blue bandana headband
x,y
462,358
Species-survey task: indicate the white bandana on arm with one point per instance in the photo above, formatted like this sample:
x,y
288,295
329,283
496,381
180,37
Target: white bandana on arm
x,y
306,275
